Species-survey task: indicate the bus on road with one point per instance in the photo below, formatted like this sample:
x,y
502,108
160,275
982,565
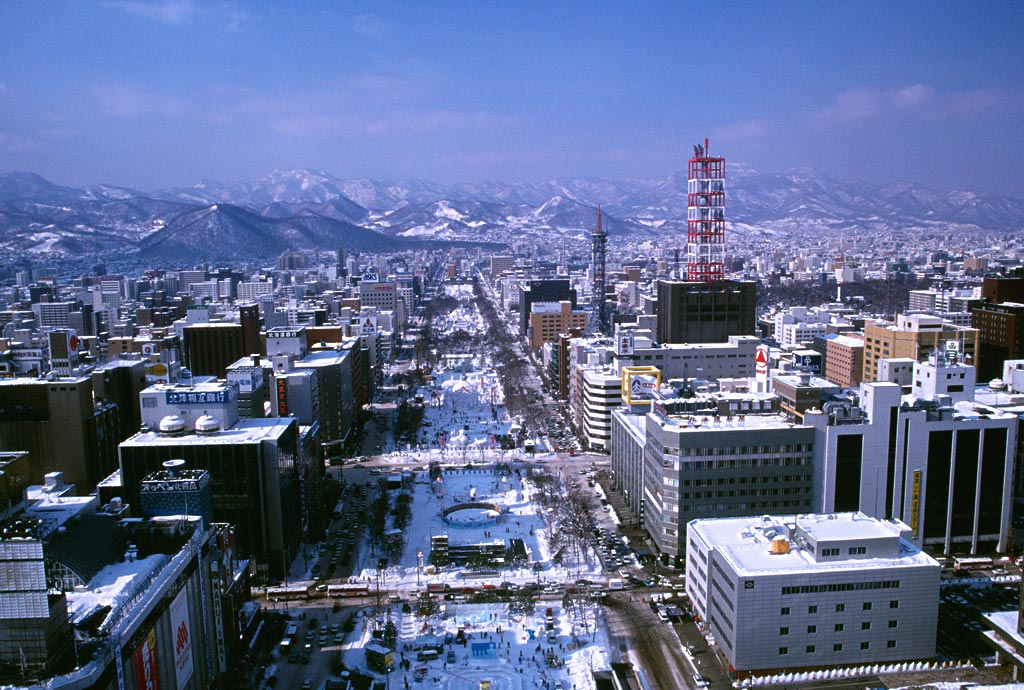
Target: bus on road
x,y
356,590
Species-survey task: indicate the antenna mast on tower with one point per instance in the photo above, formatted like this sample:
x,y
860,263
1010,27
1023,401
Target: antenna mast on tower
x,y
705,222
597,323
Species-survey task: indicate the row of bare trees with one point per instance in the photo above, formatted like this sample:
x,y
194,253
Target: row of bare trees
x,y
522,402
567,511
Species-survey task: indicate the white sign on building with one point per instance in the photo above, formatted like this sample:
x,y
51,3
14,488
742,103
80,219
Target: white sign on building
x,y
625,344
761,363
181,629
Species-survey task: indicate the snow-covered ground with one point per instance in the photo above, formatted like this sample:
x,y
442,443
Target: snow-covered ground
x,y
513,651
521,519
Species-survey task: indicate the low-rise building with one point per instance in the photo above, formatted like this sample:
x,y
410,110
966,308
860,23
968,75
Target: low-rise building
x,y
812,591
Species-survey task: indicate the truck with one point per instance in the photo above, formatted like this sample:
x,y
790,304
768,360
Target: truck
x,y
615,583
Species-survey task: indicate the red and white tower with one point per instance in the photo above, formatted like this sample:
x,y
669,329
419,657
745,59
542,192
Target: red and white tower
x,y
705,222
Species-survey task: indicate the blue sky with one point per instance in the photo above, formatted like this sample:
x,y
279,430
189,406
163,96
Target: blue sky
x,y
164,93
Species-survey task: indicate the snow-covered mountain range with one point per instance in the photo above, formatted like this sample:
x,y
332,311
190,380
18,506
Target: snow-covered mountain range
x,y
306,209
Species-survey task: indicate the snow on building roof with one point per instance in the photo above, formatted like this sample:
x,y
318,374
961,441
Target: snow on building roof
x,y
847,340
244,431
746,542
115,584
62,508
697,423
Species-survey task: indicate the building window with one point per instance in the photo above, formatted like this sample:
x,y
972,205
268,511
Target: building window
x,y
837,648
810,649
858,550
839,627
867,605
894,603
893,624
812,609
865,645
784,611
825,553
783,631
891,644
783,650
811,629
866,625
840,608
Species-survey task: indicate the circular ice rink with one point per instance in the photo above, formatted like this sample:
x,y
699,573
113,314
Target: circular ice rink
x,y
472,515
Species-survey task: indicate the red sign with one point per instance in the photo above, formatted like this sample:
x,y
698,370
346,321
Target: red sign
x,y
144,658
282,397
761,363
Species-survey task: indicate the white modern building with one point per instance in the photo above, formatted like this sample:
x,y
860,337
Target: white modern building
x,y
712,361
937,459
812,591
696,466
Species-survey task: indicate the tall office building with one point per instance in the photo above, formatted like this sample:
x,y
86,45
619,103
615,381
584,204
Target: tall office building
x,y
208,348
249,317
1000,335
35,633
695,312
61,426
546,290
936,459
120,381
254,464
915,336
699,466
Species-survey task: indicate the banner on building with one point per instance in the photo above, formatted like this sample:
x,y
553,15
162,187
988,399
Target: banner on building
x,y
181,629
147,676
915,502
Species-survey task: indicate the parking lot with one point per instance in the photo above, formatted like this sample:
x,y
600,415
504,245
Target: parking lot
x,y
960,622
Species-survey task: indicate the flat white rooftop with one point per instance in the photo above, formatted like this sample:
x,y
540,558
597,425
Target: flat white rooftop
x,y
698,423
244,431
746,542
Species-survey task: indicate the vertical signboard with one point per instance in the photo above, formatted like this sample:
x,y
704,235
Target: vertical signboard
x,y
181,628
282,397
147,676
915,502
625,345
761,363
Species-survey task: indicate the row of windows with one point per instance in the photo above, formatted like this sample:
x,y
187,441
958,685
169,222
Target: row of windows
x,y
866,606
838,647
853,551
840,627
696,495
747,450
744,463
841,587
749,505
732,481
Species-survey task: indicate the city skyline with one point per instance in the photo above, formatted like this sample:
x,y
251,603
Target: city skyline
x,y
162,94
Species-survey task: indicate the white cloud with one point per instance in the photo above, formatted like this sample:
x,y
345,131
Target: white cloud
x,y
370,25
179,12
918,100
174,12
743,130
